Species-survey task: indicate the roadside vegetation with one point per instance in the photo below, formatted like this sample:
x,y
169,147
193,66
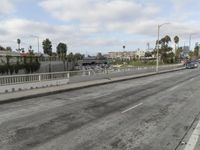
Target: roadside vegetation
x,y
28,64
167,54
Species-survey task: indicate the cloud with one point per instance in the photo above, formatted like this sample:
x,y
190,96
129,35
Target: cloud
x,y
101,24
12,29
103,16
23,29
98,10
7,7
123,16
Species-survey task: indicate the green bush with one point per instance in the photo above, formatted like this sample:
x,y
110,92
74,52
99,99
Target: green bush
x,y
28,64
2,69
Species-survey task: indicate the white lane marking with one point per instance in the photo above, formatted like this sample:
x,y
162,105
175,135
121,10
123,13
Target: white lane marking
x,y
131,108
175,87
192,79
193,138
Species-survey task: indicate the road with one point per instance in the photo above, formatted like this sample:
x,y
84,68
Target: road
x,y
151,113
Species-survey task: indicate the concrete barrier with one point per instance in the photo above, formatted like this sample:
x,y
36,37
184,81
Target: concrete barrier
x,y
29,86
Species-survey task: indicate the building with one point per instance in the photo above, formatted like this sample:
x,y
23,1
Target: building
x,y
140,53
92,61
186,50
127,54
122,55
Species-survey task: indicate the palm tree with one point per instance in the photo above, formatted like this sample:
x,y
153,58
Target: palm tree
x,y
18,42
167,39
176,41
124,47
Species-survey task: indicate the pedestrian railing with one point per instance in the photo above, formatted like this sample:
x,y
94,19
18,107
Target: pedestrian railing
x,y
28,78
18,79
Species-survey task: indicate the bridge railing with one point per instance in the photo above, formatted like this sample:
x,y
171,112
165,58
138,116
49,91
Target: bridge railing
x,y
28,78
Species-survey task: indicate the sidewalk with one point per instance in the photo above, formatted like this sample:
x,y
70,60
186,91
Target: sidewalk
x,y
23,95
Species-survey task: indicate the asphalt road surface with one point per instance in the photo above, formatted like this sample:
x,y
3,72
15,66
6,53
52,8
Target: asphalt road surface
x,y
151,113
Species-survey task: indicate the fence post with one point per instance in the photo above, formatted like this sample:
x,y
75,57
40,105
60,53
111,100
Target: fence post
x,y
68,75
39,77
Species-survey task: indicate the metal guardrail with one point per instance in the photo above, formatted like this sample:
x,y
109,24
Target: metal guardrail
x,y
28,78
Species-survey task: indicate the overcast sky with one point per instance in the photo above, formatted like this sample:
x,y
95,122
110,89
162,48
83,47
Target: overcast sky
x,y
90,26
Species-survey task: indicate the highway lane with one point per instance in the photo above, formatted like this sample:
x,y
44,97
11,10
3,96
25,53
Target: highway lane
x,y
150,113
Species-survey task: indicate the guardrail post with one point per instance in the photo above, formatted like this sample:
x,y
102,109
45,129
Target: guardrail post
x,y
68,75
89,73
39,77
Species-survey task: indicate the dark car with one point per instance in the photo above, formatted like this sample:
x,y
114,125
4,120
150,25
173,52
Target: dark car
x,y
191,65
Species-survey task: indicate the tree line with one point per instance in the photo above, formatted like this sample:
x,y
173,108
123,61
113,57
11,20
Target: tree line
x,y
61,51
166,53
28,64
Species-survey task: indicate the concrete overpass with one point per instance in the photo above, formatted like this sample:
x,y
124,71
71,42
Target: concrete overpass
x,y
92,61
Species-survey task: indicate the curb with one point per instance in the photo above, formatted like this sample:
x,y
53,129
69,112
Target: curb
x,y
22,98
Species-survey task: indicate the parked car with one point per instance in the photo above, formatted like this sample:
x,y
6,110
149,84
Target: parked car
x,y
191,65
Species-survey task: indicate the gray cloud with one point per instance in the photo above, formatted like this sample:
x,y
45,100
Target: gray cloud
x,y
100,20
7,7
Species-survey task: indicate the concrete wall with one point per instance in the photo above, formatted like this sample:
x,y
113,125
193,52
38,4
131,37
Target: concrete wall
x,y
56,66
28,86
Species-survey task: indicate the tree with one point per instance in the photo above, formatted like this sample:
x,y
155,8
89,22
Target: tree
x,y
148,54
54,54
62,49
47,47
8,57
78,56
18,42
191,54
176,41
9,49
70,57
167,39
31,52
196,51
165,51
178,53
2,48
99,56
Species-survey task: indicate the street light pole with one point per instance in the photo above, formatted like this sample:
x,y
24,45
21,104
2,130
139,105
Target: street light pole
x,y
157,60
158,48
38,45
190,39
